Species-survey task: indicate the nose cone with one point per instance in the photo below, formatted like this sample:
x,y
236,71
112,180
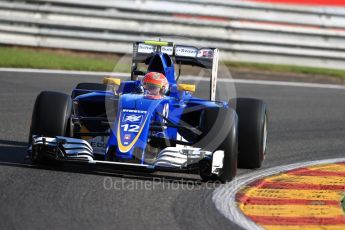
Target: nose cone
x,y
131,129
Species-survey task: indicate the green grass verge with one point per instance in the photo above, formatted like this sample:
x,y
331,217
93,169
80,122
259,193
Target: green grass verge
x,y
287,69
28,58
41,59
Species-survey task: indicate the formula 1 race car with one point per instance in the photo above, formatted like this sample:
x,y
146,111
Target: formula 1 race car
x,y
117,124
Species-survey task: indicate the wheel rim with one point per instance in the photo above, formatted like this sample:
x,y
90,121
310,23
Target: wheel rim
x,y
264,138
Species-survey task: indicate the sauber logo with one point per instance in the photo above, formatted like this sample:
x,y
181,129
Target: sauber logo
x,y
132,118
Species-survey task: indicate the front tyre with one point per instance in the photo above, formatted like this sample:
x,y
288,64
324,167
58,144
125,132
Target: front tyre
x,y
50,117
220,127
252,131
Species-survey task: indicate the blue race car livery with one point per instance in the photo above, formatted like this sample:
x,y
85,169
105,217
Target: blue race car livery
x,y
114,123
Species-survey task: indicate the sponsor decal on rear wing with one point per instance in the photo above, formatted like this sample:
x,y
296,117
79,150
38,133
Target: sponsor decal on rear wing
x,y
180,51
186,55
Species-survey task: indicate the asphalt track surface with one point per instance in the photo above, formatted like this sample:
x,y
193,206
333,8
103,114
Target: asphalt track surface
x,y
305,124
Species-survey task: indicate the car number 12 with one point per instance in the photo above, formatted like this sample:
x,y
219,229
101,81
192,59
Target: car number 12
x,y
130,128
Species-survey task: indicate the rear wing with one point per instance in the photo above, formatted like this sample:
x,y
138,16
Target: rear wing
x,y
206,58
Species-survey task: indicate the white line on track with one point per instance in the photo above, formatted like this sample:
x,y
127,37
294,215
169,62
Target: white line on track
x,y
224,197
285,83
194,78
62,72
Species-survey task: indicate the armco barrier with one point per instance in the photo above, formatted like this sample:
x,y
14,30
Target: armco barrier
x,y
308,2
244,31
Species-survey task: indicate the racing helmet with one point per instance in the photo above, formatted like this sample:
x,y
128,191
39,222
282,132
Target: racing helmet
x,y
155,85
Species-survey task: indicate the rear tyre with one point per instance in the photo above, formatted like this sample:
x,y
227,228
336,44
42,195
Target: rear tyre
x,y
50,117
220,128
252,131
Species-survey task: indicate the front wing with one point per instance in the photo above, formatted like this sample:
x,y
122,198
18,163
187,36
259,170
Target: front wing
x,y
78,150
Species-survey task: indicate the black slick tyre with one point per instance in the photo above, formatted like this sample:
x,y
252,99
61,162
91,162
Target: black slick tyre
x,y
50,117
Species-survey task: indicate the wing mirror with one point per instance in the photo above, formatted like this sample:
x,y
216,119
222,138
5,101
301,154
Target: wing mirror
x,y
186,87
112,81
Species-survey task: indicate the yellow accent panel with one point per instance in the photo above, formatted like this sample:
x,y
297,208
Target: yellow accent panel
x,y
111,81
316,180
305,227
293,194
123,148
186,87
318,211
157,43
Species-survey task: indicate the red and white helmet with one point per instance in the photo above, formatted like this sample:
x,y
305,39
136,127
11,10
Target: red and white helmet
x,y
155,85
